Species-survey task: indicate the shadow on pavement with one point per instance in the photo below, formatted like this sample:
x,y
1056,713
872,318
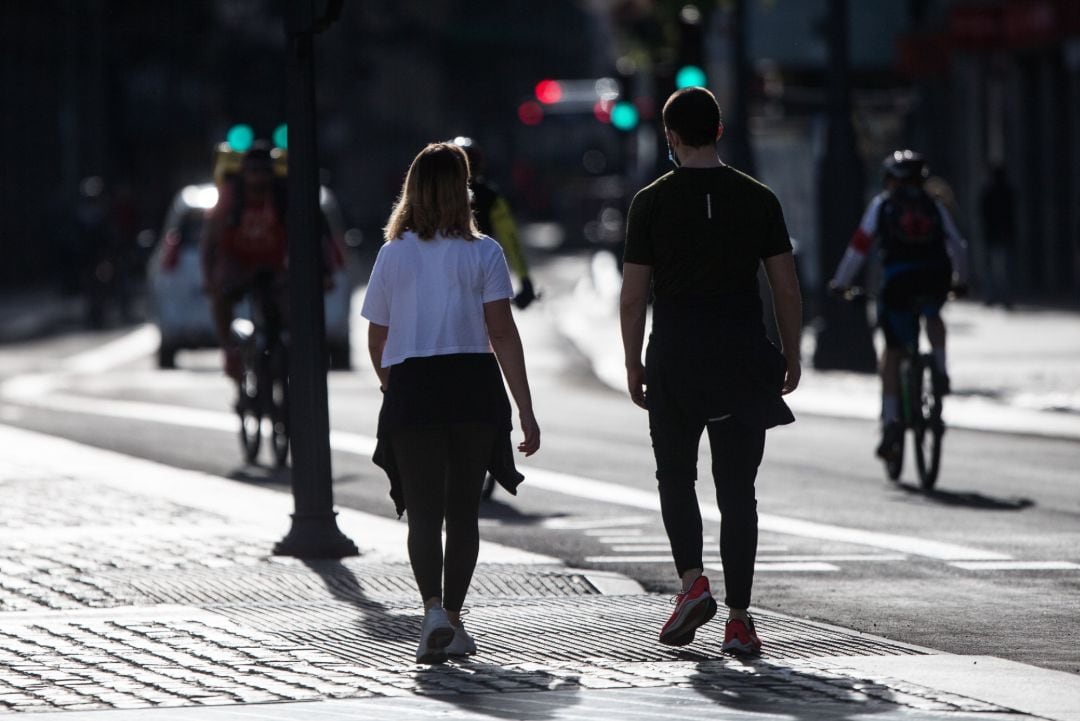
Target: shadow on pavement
x,y
494,509
438,682
469,685
970,499
262,475
756,686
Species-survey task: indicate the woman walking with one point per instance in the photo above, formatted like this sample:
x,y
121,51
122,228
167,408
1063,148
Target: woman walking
x,y
438,303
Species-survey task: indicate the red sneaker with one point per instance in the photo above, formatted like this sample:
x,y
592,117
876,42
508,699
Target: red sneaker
x,y
741,637
692,609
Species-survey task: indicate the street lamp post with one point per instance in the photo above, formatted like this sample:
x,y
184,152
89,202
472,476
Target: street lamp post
x,y
844,340
314,532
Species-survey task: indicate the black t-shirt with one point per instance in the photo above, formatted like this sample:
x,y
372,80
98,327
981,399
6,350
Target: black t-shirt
x,y
704,231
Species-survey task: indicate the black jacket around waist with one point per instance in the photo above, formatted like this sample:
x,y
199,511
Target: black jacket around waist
x,y
709,358
444,389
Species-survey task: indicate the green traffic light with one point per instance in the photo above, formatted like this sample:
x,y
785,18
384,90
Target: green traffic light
x,y
689,76
624,115
240,137
281,136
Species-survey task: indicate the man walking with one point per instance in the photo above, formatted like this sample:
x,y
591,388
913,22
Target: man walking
x,y
696,237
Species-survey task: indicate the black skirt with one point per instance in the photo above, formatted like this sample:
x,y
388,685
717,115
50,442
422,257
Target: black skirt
x,y
440,390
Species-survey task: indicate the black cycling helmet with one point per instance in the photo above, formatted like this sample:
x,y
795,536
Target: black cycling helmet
x,y
905,165
473,152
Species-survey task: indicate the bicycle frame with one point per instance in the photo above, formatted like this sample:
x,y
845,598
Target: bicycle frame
x,y
262,390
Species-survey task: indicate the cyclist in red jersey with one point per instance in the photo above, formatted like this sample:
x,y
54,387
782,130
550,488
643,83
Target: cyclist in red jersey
x,y
245,239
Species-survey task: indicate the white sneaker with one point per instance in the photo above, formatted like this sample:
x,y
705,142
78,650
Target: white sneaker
x,y
463,644
435,635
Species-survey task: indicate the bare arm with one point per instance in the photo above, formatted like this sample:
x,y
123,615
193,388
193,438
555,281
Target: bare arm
x,y
633,300
787,302
376,341
506,342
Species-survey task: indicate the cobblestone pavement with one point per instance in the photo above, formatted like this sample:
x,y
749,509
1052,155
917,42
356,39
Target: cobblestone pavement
x,y
112,599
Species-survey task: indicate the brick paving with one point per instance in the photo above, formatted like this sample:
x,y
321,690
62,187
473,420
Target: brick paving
x,y
113,599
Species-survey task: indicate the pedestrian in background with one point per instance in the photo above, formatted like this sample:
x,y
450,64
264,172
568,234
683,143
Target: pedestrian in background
x,y
438,303
494,219
997,206
696,237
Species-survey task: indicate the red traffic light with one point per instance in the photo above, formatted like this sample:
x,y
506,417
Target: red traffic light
x,y
548,91
530,113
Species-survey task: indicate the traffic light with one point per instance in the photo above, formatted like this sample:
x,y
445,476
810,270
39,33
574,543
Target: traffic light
x,y
690,52
530,113
549,91
281,136
240,137
689,76
625,116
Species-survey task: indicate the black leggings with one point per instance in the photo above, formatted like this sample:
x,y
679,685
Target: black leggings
x,y
442,473
736,454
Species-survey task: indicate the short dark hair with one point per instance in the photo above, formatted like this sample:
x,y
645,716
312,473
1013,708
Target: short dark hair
x,y
694,115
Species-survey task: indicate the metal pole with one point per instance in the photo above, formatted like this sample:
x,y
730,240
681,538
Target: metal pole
x,y
742,152
844,341
314,532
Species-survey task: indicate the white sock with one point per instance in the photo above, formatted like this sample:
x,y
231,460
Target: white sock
x,y
939,360
890,408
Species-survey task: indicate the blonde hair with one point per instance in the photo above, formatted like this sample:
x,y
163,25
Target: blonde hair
x,y
435,196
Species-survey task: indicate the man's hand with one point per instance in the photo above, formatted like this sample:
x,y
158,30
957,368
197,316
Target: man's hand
x,y
838,291
527,294
791,376
635,383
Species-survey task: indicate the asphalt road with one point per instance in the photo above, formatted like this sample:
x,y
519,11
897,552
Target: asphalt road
x,y
988,564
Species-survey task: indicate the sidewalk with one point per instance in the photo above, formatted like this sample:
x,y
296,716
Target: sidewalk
x,y
1012,372
131,590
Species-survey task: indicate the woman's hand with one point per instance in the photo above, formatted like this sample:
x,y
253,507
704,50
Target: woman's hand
x,y
529,427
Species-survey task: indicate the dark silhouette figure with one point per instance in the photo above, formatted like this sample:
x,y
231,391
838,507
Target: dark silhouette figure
x,y
997,206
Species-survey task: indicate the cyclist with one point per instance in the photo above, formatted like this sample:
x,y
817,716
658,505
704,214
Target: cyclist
x,y
923,255
494,219
245,243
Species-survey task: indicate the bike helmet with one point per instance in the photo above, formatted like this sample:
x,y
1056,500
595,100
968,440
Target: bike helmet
x,y
905,165
473,152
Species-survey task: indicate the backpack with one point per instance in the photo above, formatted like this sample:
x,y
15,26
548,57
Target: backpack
x,y
911,228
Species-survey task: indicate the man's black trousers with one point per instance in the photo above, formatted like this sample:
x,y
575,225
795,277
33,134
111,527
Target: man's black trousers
x,y
736,454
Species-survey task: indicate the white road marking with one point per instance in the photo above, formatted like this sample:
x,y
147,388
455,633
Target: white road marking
x,y
834,558
1017,565
666,558
593,526
642,548
563,483
807,567
137,344
632,540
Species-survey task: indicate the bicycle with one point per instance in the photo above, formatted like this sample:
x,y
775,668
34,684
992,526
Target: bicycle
x,y
262,390
921,394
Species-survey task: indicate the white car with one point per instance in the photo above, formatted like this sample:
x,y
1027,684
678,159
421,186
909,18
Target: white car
x,y
178,303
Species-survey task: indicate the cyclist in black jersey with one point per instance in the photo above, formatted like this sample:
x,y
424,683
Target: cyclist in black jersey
x,y
923,256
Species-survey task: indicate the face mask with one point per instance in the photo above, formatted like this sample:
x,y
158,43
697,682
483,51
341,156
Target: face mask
x,y
672,157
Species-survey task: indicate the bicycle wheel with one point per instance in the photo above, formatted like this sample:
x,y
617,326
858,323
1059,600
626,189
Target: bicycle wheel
x,y
279,417
928,426
247,407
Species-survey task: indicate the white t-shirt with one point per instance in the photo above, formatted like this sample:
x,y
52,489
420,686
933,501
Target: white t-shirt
x,y
431,294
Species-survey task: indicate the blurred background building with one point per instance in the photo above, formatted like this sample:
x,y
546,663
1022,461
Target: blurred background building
x,y
137,93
